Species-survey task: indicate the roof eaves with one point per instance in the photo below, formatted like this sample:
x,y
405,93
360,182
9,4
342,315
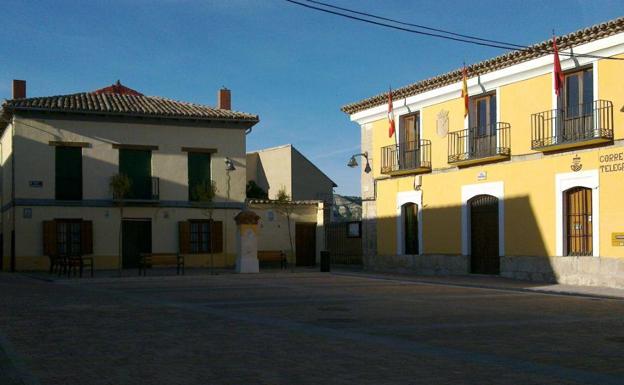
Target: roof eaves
x,y
581,36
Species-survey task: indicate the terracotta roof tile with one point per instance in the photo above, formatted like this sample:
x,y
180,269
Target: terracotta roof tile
x,y
544,48
121,100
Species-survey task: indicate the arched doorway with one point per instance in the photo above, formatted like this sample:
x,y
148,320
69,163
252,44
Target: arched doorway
x,y
578,221
484,256
410,228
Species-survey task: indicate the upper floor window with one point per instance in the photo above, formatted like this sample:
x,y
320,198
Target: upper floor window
x,y
198,174
68,179
136,164
483,113
410,128
578,93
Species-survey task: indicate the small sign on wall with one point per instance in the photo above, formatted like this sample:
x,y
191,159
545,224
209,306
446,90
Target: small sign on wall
x,y
482,175
617,239
35,183
27,213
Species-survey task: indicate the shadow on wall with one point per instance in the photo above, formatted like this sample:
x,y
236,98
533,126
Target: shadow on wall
x,y
486,236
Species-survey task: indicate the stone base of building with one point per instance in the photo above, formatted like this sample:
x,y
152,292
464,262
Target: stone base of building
x,y
432,264
582,271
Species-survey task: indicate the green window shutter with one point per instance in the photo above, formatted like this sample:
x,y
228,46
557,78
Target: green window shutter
x,y
137,166
198,172
68,164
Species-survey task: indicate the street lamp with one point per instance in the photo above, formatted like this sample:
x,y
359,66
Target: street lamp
x,y
353,162
229,165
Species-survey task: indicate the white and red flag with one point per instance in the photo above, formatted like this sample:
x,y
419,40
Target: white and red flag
x,y
390,115
558,74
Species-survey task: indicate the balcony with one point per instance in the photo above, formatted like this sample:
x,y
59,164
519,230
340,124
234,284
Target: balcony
x,y
142,190
582,125
406,158
479,144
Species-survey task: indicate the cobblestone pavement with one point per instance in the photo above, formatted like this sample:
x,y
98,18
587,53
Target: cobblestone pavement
x,y
301,328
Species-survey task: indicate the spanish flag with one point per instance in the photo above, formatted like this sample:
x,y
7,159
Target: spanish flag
x,y
464,92
558,73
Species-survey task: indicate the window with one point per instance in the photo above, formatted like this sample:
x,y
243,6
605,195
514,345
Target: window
x,y
579,93
137,166
410,213
410,142
483,113
68,180
200,236
67,237
354,229
198,173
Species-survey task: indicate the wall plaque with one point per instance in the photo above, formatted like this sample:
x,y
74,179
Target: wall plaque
x,y
617,239
35,183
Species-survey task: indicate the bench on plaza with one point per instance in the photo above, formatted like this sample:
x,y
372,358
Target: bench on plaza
x,y
149,260
272,256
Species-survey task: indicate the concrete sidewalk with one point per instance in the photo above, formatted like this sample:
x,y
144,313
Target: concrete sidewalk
x,y
493,282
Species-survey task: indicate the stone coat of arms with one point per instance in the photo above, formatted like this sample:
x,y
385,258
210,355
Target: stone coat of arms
x,y
442,123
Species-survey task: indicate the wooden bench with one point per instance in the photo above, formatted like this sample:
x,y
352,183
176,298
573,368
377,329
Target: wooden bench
x,y
273,256
149,260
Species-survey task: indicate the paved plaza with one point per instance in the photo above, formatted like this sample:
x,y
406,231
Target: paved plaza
x,y
302,328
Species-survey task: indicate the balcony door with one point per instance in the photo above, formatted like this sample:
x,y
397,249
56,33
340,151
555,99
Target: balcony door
x,y
578,106
137,165
409,149
482,134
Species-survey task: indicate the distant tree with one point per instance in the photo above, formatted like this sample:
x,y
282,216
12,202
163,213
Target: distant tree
x,y
255,192
120,185
285,207
203,197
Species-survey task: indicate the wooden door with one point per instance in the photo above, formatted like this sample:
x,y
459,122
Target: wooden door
x,y
410,146
483,131
578,107
136,239
484,257
305,243
578,219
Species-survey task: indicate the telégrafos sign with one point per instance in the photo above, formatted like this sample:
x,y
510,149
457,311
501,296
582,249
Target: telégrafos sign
x,y
612,162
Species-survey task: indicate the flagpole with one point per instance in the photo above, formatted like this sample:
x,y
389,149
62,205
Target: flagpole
x,y
396,142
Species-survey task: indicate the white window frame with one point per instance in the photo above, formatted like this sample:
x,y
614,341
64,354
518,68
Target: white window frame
x,y
403,198
495,189
565,181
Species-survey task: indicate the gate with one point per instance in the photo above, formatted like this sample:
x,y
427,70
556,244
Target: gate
x,y
484,257
579,237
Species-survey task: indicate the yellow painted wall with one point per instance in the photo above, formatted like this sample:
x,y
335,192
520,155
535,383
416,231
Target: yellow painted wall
x,y
611,87
439,146
517,102
529,190
529,182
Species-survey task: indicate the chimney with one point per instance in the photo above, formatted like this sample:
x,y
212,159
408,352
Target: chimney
x,y
19,89
224,99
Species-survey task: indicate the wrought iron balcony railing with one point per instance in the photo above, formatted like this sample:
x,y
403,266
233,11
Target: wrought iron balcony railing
x,y
584,124
143,189
406,157
478,144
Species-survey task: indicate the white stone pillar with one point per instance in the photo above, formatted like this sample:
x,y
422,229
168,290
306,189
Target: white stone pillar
x,y
247,242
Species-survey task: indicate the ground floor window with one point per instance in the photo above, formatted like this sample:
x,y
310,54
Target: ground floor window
x,y
410,233
201,236
67,237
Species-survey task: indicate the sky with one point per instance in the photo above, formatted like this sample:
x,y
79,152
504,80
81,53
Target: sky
x,y
292,66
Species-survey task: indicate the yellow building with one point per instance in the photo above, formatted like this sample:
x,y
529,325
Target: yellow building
x,y
529,185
